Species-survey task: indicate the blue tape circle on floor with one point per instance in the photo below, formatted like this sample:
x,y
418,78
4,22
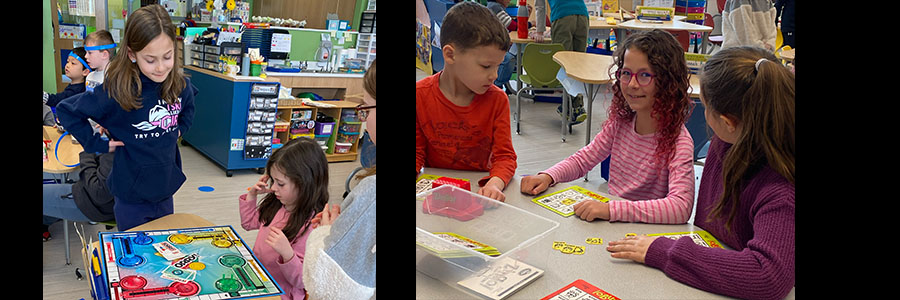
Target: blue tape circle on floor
x,y
206,189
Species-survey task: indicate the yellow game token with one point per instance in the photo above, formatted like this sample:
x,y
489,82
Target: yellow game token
x,y
568,249
197,266
222,243
579,250
631,234
594,241
568,201
180,238
558,245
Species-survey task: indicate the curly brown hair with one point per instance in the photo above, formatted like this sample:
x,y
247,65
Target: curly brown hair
x,y
673,105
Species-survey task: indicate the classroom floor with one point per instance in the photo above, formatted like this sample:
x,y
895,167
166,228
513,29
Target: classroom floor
x,y
219,207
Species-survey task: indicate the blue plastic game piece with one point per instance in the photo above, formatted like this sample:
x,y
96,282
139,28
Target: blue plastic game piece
x,y
206,189
143,239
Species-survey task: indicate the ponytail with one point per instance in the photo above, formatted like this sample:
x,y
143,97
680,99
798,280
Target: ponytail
x,y
748,83
769,107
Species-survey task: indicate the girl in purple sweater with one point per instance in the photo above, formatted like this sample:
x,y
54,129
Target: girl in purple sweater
x,y
746,196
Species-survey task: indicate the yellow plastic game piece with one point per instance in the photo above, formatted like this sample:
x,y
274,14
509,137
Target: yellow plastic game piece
x,y
222,243
180,238
578,250
631,234
558,245
568,249
594,241
568,201
197,266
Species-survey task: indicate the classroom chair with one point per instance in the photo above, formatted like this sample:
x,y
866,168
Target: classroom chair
x,y
109,225
697,128
366,158
714,40
540,73
683,37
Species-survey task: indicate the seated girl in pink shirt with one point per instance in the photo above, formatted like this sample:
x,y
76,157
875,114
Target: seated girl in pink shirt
x,y
651,150
296,181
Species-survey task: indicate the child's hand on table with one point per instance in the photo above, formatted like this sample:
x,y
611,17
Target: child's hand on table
x,y
533,185
493,189
279,242
631,247
590,210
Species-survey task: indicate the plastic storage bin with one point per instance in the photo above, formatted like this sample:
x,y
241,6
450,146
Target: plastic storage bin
x,y
350,127
342,147
517,234
323,128
349,115
323,139
346,137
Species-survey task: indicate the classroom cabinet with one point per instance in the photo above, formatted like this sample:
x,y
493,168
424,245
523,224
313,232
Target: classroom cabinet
x,y
220,124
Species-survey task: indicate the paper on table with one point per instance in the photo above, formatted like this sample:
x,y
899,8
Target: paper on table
x,y
502,278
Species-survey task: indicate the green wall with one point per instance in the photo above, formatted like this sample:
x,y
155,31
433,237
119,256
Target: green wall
x,y
48,76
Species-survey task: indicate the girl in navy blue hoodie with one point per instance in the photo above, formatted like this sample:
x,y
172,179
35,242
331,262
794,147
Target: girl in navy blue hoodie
x,y
144,104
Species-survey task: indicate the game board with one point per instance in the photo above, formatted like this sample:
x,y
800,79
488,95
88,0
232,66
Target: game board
x,y
200,263
580,290
700,237
424,182
562,202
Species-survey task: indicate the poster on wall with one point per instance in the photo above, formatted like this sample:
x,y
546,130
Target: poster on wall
x,y
423,47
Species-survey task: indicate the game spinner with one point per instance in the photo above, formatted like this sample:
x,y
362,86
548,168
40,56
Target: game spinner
x,y
191,263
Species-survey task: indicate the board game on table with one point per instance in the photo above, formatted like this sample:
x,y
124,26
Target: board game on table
x,y
190,263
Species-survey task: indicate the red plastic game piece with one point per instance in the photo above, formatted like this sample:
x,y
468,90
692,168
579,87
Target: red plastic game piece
x,y
454,203
451,181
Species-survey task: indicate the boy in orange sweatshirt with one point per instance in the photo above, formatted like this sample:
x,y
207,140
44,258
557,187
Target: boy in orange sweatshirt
x,y
462,118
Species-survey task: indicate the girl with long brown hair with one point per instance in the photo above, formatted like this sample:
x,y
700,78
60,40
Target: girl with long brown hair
x,y
296,181
651,150
144,104
746,196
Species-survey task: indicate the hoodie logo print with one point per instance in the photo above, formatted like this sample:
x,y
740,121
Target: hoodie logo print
x,y
163,115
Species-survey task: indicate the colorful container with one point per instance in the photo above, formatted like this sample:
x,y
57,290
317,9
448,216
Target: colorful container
x,y
324,128
342,147
323,140
350,127
349,115
346,137
303,135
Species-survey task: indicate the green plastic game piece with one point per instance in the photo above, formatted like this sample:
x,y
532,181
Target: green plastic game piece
x,y
228,285
231,261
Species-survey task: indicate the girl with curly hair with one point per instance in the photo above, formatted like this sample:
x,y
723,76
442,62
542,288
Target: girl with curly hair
x,y
650,149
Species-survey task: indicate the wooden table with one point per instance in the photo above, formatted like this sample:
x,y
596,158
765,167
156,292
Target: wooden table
x,y
68,152
788,55
167,222
695,86
674,25
591,70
